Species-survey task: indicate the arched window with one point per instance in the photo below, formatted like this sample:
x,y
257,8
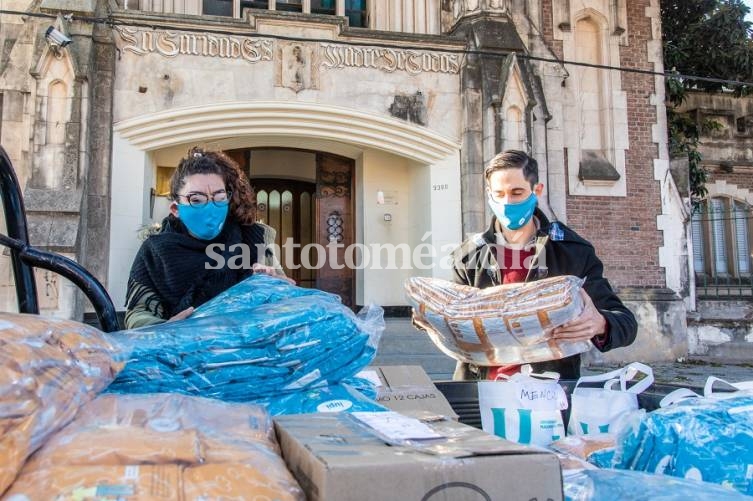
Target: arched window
x,y
721,232
596,123
590,86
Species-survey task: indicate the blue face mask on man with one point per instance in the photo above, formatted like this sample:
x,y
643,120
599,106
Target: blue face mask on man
x,y
204,222
514,216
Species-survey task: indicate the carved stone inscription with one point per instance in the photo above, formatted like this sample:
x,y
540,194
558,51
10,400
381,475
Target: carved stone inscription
x,y
389,60
300,60
170,44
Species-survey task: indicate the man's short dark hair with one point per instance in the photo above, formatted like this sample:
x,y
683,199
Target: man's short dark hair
x,y
514,159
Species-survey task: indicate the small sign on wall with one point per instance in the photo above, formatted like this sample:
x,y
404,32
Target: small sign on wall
x,y
387,197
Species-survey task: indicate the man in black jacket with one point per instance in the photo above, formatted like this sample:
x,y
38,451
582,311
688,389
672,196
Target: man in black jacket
x,y
522,245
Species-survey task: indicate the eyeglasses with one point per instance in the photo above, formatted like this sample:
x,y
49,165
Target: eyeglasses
x,y
197,199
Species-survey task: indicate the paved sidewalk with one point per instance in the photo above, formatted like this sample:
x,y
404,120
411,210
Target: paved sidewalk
x,y
402,344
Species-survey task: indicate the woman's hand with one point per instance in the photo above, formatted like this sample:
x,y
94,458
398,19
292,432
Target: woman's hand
x,y
590,323
272,272
182,315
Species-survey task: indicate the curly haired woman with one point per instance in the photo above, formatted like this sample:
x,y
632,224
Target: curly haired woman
x,y
212,202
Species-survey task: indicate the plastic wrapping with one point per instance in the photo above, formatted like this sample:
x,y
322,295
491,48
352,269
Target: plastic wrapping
x,y
613,485
507,324
260,338
704,439
570,463
164,446
48,369
333,398
597,449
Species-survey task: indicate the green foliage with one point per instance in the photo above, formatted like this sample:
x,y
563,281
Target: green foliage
x,y
685,132
707,38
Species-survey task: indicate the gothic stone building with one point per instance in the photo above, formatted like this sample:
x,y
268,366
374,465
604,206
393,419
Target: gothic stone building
x,y
364,121
722,226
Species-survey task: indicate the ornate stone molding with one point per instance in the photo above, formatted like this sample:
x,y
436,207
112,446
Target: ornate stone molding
x,y
285,118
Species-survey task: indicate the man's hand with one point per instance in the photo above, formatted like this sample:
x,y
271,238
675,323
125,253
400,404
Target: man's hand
x,y
182,315
272,272
590,323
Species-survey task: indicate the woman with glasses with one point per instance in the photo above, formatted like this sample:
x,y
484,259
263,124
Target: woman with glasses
x,y
177,270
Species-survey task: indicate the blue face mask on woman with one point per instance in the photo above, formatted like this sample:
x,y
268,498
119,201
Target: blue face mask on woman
x,y
204,222
514,216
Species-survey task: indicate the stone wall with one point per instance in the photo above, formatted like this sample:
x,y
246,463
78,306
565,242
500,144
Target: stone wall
x,y
56,130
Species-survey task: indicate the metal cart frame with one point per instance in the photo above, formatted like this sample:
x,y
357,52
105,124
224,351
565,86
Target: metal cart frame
x,y
24,257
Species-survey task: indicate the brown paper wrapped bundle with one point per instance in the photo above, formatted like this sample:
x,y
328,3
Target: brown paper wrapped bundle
x,y
507,324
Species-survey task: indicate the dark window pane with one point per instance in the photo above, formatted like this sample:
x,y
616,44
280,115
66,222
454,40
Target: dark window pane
x,y
290,5
218,7
254,4
323,7
355,11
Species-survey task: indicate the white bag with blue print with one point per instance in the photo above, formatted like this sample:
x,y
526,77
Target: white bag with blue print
x,y
606,409
524,408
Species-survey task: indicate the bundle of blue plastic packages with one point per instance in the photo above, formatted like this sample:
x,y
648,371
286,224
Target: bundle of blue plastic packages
x,y
341,397
709,439
261,339
617,485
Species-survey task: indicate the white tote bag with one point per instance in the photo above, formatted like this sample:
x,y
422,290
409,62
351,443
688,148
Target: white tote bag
x,y
523,409
606,409
731,390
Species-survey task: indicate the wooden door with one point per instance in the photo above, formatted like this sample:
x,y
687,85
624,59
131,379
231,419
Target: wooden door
x,y
288,207
335,222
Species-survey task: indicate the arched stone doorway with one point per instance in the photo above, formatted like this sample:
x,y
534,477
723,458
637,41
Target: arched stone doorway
x,y
308,198
417,169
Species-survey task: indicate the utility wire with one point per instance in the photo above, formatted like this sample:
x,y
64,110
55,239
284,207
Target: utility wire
x,y
112,21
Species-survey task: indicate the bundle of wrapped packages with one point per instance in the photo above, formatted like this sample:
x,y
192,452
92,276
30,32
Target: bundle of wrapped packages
x,y
263,337
616,485
708,439
48,369
597,449
160,447
507,324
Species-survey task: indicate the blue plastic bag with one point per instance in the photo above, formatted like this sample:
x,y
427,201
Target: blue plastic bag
x,y
333,398
705,439
615,485
260,338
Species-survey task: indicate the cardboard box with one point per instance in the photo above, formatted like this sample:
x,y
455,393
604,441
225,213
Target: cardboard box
x,y
335,458
409,390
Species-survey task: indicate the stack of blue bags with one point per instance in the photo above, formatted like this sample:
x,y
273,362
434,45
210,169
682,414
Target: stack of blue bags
x,y
263,340
709,439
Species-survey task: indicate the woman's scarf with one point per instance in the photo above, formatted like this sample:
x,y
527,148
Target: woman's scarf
x,y
173,264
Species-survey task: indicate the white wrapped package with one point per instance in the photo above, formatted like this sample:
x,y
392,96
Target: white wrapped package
x,y
507,324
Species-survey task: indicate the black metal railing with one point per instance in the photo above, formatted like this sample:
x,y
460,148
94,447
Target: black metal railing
x,y
24,257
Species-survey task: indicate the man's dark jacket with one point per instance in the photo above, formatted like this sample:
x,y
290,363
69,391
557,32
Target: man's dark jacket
x,y
566,254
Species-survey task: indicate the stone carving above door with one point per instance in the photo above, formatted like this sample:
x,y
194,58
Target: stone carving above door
x,y
297,68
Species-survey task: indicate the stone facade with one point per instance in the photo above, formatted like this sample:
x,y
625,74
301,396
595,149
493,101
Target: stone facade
x,y
418,117
56,129
719,323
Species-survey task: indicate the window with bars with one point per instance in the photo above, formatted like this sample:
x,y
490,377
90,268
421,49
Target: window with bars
x,y
721,229
355,10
